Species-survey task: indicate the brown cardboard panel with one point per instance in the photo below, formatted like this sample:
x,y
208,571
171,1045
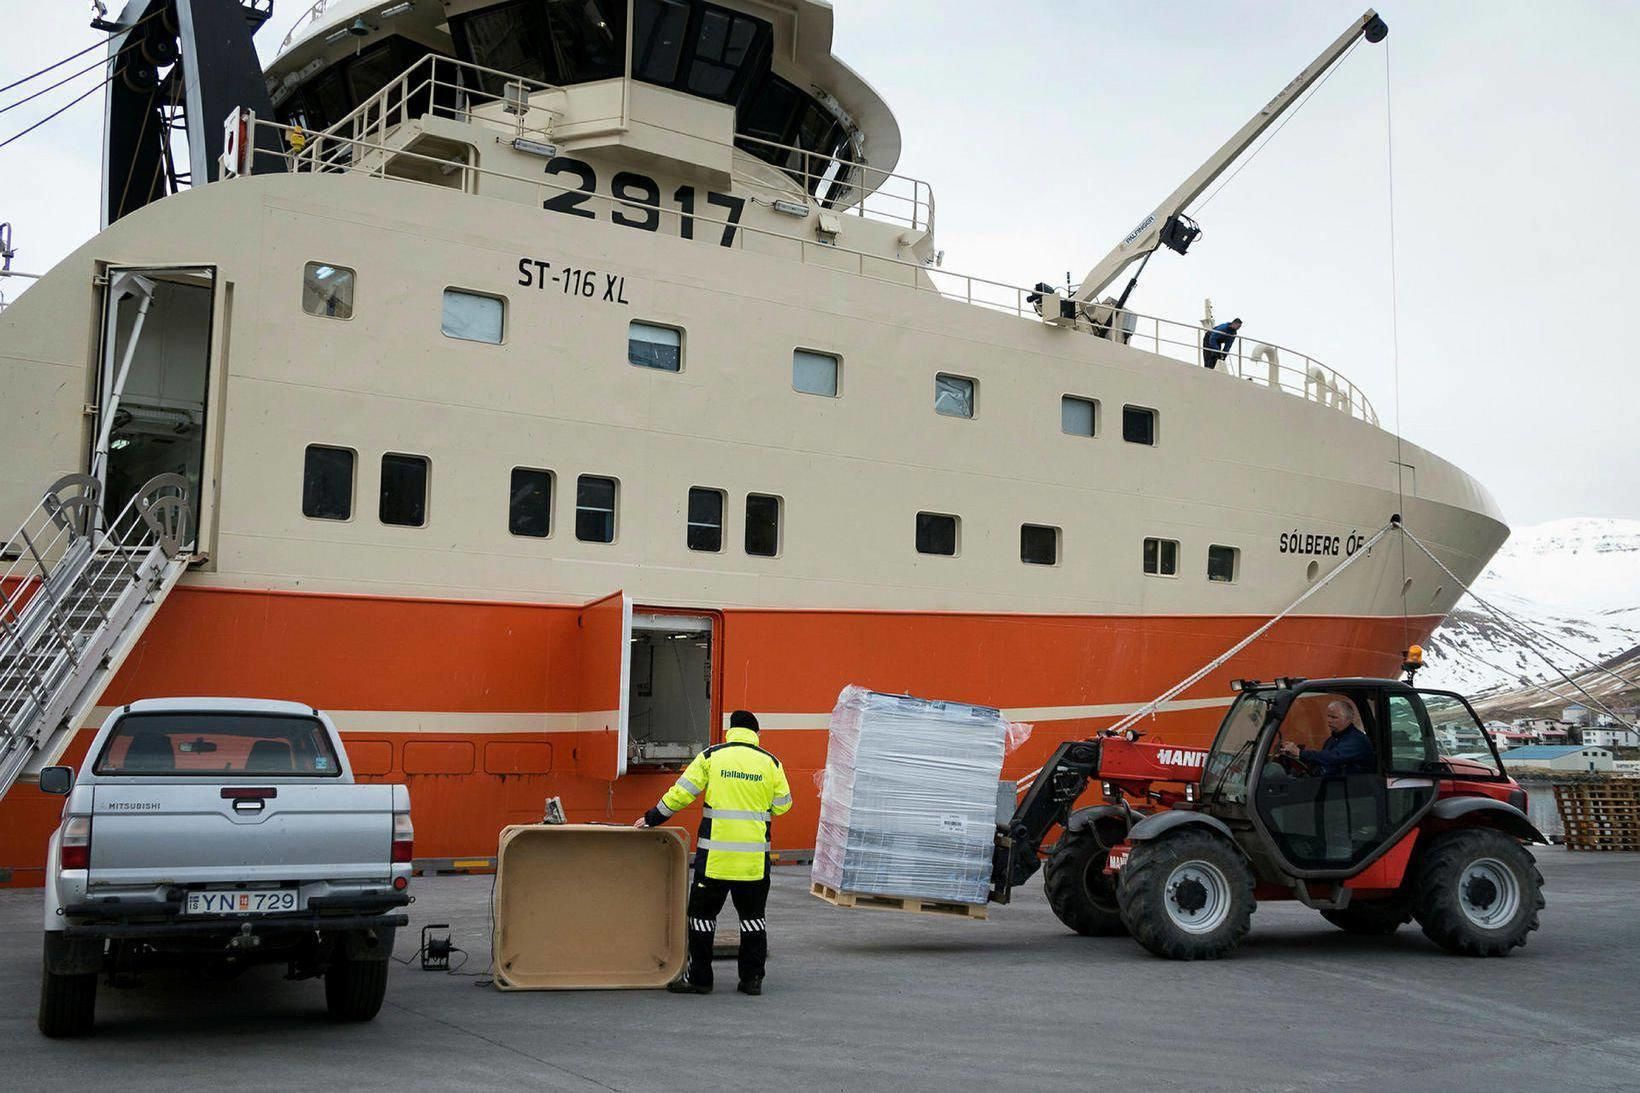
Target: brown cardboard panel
x,y
583,906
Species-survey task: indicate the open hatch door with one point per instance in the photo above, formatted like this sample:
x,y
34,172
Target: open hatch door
x,y
602,684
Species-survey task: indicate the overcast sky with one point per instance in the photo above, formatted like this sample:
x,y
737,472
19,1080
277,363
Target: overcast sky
x,y
1049,128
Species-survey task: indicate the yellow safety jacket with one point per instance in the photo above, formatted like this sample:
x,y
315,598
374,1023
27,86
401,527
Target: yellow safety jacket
x,y
745,788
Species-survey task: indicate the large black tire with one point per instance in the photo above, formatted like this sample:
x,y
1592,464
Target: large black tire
x,y
1081,894
1477,892
1187,895
68,1003
1378,918
354,989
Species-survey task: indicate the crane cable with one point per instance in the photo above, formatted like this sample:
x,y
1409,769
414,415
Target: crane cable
x,y
80,53
58,64
1395,337
81,98
1150,708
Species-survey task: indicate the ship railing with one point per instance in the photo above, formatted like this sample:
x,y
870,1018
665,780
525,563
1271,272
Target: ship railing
x,y
315,11
473,94
1267,364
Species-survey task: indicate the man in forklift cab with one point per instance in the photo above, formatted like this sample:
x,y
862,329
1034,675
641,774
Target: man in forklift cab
x,y
1347,750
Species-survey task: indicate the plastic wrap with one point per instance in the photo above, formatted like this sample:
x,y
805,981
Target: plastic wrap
x,y
910,797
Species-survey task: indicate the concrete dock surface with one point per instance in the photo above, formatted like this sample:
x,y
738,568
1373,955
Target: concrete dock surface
x,y
869,1000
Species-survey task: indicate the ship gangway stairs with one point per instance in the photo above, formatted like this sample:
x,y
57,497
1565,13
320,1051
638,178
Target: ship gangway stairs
x,y
78,593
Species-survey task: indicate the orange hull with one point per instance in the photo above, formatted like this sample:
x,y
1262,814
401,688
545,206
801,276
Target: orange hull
x,y
445,685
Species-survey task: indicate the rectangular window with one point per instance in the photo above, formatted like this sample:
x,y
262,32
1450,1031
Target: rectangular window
x,y
327,290
705,519
953,395
815,373
651,346
1223,563
404,490
762,525
1162,557
1078,416
1138,425
1038,544
474,317
595,509
936,533
529,507
327,483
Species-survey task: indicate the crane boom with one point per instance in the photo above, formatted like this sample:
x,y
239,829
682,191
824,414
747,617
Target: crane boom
x,y
1148,235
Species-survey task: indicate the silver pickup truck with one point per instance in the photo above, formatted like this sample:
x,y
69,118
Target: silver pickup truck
x,y
218,833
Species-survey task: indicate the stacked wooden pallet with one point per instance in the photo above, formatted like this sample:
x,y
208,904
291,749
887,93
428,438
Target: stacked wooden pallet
x,y
839,898
1600,815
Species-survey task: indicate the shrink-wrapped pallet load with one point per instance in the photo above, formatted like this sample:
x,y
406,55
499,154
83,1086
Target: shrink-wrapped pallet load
x,y
908,809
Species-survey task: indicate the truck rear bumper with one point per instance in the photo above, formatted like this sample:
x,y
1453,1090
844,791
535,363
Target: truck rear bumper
x,y
259,927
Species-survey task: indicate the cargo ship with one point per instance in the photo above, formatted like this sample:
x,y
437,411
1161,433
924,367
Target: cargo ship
x,y
531,384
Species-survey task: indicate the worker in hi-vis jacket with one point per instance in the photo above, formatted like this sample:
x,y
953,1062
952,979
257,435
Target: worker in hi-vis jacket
x,y
745,788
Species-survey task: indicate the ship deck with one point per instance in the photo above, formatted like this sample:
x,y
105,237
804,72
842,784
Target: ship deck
x,y
865,999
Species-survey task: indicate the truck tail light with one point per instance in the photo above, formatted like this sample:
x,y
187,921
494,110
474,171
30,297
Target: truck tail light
x,y
74,847
404,838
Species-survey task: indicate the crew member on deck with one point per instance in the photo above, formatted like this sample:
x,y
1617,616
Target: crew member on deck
x,y
1217,342
745,788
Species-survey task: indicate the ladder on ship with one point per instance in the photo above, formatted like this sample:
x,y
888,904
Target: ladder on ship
x,y
78,593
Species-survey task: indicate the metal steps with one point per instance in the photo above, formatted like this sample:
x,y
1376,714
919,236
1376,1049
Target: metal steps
x,y
78,594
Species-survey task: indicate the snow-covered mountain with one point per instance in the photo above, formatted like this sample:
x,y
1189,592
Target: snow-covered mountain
x,y
1576,581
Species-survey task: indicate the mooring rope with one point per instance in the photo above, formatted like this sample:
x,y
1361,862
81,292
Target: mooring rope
x,y
1217,662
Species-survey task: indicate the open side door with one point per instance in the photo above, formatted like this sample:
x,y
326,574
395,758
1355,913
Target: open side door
x,y
602,683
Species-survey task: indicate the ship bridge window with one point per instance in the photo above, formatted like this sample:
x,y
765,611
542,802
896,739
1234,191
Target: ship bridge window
x,y
724,42
1162,557
657,43
954,395
404,490
327,483
1139,425
529,506
559,42
595,509
651,346
339,89
473,317
815,373
1078,416
327,290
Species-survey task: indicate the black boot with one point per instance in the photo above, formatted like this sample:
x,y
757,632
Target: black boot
x,y
752,987
681,985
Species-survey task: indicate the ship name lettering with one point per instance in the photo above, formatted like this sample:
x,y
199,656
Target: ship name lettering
x,y
1330,546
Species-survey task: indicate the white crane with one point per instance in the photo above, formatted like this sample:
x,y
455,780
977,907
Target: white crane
x,y
1167,225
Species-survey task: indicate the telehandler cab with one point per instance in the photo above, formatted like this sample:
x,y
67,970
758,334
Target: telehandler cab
x,y
1186,841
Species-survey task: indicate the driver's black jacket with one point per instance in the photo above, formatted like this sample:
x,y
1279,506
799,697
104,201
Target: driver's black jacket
x,y
1347,752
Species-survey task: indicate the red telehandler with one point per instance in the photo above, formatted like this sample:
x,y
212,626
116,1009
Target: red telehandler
x,y
1187,841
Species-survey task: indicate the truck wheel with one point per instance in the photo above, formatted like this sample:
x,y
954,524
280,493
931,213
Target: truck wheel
x,y
1478,892
1379,918
1081,894
354,989
1187,895
68,1003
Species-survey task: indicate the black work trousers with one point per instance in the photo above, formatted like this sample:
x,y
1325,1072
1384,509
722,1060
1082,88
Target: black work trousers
x,y
706,898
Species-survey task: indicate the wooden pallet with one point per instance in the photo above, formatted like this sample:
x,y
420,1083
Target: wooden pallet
x,y
839,898
1600,815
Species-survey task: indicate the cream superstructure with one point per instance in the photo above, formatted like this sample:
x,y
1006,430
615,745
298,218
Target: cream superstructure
x,y
460,652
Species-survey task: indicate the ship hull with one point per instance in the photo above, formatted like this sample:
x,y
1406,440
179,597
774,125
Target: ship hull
x,y
477,706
